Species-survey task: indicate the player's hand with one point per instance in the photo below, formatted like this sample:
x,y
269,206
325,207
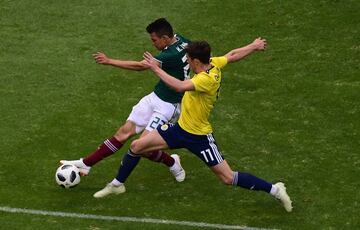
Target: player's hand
x,y
260,43
101,58
150,61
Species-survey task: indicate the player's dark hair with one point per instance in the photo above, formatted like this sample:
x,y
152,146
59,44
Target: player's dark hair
x,y
161,27
200,50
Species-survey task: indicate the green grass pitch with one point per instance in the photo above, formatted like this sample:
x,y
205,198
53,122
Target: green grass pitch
x,y
291,113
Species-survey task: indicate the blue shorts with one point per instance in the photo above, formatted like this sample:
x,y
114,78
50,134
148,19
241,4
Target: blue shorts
x,y
203,146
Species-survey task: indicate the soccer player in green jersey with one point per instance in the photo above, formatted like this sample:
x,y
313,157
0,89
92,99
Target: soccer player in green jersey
x,y
159,107
193,131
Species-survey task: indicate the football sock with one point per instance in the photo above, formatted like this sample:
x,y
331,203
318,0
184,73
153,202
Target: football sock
x,y
274,190
116,183
248,181
128,163
163,157
109,147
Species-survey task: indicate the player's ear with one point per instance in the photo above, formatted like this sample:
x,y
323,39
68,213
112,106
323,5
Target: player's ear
x,y
165,37
196,61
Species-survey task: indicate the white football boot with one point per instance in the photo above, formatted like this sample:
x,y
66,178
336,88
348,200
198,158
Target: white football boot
x,y
110,189
83,168
177,170
283,196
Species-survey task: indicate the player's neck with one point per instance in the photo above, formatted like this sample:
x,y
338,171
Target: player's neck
x,y
171,41
202,68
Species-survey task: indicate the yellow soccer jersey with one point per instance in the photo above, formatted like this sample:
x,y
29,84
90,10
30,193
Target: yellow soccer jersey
x,y
197,105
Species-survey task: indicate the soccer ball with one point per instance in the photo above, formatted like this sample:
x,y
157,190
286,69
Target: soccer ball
x,y
67,176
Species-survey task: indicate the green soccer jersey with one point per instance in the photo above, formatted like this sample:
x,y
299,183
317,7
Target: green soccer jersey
x,y
173,61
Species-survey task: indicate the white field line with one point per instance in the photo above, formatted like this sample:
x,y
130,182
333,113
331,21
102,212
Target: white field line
x,y
125,219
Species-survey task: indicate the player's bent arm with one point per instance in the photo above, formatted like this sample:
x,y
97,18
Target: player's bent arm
x,y
176,84
240,53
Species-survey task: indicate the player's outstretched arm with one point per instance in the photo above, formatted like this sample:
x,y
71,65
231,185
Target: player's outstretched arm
x,y
101,58
176,84
240,53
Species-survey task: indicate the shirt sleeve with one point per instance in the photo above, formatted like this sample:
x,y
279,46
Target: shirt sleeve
x,y
163,58
219,62
202,83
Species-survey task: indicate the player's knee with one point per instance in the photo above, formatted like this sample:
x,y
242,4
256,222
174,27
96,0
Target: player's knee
x,y
136,147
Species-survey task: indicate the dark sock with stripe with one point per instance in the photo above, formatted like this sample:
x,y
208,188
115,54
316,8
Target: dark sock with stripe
x,y
161,157
248,181
128,163
109,147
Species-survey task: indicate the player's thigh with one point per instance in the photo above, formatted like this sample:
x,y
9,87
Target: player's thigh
x,y
141,113
150,142
207,150
163,113
144,133
170,112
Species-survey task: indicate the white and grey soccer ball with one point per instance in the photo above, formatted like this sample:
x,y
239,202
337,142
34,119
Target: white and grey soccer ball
x,y
67,176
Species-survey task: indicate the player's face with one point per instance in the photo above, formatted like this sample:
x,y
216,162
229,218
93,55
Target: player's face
x,y
158,42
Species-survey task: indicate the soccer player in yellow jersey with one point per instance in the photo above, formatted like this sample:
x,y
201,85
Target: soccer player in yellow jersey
x,y
193,130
